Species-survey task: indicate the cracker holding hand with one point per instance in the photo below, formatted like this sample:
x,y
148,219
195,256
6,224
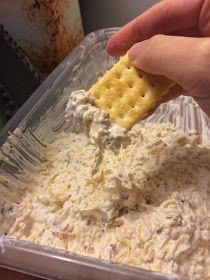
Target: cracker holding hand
x,y
171,39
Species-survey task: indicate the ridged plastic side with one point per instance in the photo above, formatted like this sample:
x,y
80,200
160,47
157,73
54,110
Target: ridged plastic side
x,y
38,121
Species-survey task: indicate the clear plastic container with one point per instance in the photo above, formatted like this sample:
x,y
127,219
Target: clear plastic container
x,y
39,120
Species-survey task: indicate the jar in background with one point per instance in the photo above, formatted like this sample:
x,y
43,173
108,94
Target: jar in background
x,y
47,30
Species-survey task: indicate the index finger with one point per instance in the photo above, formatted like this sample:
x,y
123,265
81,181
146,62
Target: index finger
x,y
164,18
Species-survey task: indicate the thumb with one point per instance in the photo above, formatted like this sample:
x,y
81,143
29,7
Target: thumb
x,y
184,60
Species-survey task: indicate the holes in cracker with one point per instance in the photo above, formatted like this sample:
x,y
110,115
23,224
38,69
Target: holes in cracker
x,y
118,75
97,95
108,105
130,84
120,95
121,115
133,105
98,98
108,86
140,75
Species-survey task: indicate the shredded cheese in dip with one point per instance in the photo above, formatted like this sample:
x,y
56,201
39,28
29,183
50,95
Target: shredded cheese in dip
x,y
96,123
147,205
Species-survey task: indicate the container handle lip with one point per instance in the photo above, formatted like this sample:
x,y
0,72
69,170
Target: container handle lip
x,y
27,257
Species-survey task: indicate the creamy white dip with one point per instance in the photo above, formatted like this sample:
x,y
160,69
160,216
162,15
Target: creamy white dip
x,y
147,205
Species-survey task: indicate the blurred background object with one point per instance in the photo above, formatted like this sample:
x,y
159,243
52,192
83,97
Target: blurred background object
x,y
97,14
47,30
36,35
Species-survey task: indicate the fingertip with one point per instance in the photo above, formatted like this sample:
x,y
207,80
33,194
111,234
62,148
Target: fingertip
x,y
111,48
133,52
138,55
115,47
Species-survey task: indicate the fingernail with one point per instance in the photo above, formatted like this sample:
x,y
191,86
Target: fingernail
x,y
133,53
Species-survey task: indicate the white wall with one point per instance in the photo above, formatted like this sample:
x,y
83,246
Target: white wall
x,y
111,13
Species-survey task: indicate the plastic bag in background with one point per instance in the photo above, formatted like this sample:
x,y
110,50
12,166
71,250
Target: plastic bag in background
x,y
47,30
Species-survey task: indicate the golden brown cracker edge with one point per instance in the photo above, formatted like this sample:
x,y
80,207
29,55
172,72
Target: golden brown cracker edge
x,y
127,94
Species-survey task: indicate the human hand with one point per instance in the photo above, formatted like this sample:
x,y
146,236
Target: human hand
x,y
181,54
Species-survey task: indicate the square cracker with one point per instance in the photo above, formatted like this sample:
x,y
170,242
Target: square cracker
x,y
127,94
